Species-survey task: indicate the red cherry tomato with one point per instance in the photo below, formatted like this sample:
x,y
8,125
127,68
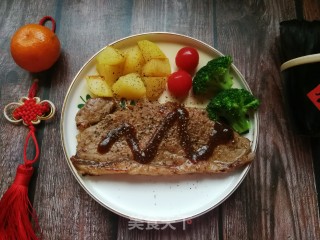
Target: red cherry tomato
x,y
187,59
179,83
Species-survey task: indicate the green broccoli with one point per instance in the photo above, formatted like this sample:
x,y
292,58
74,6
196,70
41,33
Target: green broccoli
x,y
213,77
233,105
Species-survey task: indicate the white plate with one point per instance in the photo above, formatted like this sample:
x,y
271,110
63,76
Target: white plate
x,y
149,198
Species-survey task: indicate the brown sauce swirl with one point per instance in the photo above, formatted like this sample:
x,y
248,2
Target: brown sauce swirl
x,y
220,134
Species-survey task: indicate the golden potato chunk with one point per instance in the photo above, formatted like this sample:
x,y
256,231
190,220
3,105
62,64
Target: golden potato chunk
x,y
98,86
110,56
156,68
150,50
154,86
110,73
129,86
134,60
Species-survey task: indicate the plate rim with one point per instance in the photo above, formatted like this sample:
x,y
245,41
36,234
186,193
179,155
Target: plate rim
x,y
243,174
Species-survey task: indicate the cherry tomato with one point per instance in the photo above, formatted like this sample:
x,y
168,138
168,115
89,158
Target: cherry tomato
x,y
187,59
179,83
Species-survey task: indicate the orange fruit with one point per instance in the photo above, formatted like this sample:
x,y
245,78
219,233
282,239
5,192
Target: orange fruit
x,y
34,47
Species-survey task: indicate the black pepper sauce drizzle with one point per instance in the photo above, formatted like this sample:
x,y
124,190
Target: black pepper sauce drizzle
x,y
220,134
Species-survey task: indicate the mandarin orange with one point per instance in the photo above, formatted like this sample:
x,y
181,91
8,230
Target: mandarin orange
x,y
35,48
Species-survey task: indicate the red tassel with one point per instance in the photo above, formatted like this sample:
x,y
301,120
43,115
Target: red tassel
x,y
15,209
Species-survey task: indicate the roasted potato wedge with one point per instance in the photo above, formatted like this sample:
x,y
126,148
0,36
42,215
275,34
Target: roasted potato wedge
x,y
110,56
154,86
110,73
129,86
110,63
134,60
156,68
98,86
150,50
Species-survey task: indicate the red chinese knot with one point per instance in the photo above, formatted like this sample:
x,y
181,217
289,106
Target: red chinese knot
x,y
30,111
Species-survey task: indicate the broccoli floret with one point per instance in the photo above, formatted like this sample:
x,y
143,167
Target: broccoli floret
x,y
233,105
213,77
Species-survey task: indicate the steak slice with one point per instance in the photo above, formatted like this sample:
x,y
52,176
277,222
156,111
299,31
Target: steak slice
x,y
146,117
93,111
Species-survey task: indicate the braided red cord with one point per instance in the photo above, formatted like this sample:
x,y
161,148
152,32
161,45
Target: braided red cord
x,y
28,112
48,18
31,134
33,89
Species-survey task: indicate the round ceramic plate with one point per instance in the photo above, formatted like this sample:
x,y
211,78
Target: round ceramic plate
x,y
153,198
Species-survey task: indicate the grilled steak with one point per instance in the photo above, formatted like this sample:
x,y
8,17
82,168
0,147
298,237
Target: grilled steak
x,y
100,118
